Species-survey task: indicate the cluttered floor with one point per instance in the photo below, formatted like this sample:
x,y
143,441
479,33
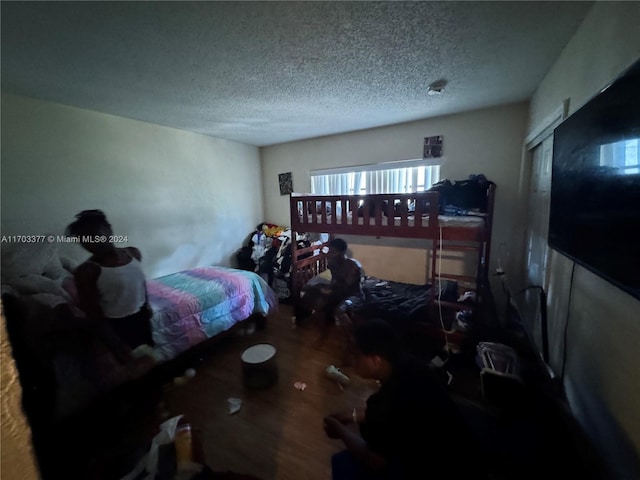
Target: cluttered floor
x,y
276,432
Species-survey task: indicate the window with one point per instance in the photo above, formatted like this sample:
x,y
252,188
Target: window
x,y
392,177
624,156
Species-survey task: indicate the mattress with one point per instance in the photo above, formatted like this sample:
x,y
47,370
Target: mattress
x,y
470,221
194,305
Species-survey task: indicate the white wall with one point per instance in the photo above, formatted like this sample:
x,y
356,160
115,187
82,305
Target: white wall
x,y
485,141
603,334
184,199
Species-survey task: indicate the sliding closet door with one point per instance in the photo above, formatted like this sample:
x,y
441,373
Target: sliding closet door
x,y
536,236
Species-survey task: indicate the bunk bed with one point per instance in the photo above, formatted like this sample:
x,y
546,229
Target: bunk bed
x,y
414,215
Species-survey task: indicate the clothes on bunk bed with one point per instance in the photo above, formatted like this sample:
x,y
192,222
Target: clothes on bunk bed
x,y
275,264
463,197
401,304
268,253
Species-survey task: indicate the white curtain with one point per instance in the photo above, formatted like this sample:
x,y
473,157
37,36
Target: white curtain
x,y
375,180
337,183
430,176
378,180
387,181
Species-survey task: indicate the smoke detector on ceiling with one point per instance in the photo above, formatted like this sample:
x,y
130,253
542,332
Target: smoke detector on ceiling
x,y
437,87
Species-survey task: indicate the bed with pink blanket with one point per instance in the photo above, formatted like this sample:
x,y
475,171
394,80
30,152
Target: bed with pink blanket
x,y
197,304
66,369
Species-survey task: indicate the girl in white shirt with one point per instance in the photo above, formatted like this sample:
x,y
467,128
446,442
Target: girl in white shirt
x,y
111,286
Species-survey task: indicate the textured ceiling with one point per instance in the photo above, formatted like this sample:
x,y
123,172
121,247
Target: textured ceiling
x,y
263,73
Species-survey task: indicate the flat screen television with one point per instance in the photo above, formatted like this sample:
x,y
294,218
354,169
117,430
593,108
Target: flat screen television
x,y
594,213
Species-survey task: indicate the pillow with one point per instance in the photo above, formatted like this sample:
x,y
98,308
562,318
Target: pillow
x,y
54,269
48,299
20,259
32,283
68,264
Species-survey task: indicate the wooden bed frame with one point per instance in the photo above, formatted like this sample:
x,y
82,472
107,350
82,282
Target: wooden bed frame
x,y
368,215
313,214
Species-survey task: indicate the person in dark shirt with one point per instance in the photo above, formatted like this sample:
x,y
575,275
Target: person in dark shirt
x,y
346,284
410,429
346,279
346,272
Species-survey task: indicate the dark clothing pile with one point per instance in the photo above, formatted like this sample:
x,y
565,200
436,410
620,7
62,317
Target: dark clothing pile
x,y
401,304
267,252
463,197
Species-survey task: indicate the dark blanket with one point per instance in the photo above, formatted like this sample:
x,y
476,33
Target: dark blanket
x,y
401,304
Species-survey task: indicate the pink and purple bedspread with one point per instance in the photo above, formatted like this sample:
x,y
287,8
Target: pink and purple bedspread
x,y
197,304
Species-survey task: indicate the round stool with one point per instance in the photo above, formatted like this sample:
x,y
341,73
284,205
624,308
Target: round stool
x,y
259,367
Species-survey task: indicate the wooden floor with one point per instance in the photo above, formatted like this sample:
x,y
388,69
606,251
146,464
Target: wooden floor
x,y
277,434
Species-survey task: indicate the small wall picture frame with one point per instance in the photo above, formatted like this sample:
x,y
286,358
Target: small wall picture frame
x,y
432,147
286,183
